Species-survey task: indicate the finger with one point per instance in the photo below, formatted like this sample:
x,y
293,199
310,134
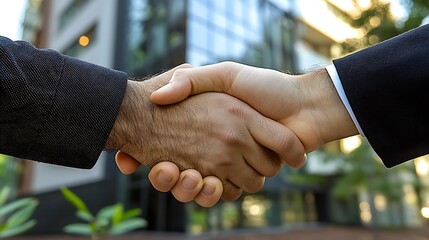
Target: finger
x,y
231,192
263,160
189,185
126,163
211,78
165,77
248,179
163,176
279,139
210,193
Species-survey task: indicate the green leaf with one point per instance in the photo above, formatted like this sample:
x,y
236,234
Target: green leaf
x,y
127,226
78,228
74,199
2,227
102,223
85,216
131,213
18,229
12,206
118,214
106,212
4,194
22,215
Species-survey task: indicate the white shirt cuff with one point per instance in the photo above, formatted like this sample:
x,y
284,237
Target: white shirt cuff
x,y
332,71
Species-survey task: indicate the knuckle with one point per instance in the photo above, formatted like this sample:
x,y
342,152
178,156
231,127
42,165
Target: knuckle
x,y
236,110
226,64
229,65
180,72
284,142
274,169
230,70
255,185
232,137
185,65
298,163
231,194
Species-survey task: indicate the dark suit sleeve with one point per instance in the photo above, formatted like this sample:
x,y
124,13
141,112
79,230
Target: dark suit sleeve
x,y
54,108
387,86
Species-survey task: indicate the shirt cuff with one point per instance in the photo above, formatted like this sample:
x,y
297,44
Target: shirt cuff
x,y
332,71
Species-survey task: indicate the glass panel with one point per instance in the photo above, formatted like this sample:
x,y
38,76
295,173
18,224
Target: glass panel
x,y
237,9
220,20
158,47
71,11
176,10
197,57
198,34
220,44
220,5
239,29
238,48
198,8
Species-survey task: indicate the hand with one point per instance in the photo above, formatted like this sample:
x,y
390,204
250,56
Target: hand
x,y
165,176
217,127
307,104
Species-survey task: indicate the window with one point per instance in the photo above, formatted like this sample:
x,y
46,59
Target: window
x,y
71,11
199,8
196,57
82,42
198,34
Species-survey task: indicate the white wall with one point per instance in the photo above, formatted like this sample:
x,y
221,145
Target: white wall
x,y
46,177
102,12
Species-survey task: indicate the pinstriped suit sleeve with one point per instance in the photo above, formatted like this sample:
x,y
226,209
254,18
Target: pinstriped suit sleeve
x,y
387,86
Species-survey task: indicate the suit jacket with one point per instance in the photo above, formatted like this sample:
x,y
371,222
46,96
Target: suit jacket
x,y
54,108
387,86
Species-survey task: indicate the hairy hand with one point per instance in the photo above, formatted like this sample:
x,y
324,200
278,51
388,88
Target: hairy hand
x,y
307,104
213,133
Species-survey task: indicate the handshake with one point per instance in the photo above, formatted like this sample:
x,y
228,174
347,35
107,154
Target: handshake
x,y
215,131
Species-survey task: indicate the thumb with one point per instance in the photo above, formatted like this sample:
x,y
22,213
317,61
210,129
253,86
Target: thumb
x,y
126,163
211,78
174,91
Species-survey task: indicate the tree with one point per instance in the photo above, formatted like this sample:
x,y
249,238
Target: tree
x,y
377,23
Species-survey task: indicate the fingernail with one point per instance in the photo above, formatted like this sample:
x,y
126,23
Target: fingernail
x,y
165,86
164,177
208,189
189,183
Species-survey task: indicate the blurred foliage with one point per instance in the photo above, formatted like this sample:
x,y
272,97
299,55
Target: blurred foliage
x,y
110,220
10,170
363,170
377,23
15,215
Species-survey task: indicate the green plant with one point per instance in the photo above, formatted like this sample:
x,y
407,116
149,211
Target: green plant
x,y
110,220
15,215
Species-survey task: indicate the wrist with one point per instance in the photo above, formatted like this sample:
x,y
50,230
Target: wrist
x,y
331,116
121,134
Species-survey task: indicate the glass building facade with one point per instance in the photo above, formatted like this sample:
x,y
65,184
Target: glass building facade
x,y
164,33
